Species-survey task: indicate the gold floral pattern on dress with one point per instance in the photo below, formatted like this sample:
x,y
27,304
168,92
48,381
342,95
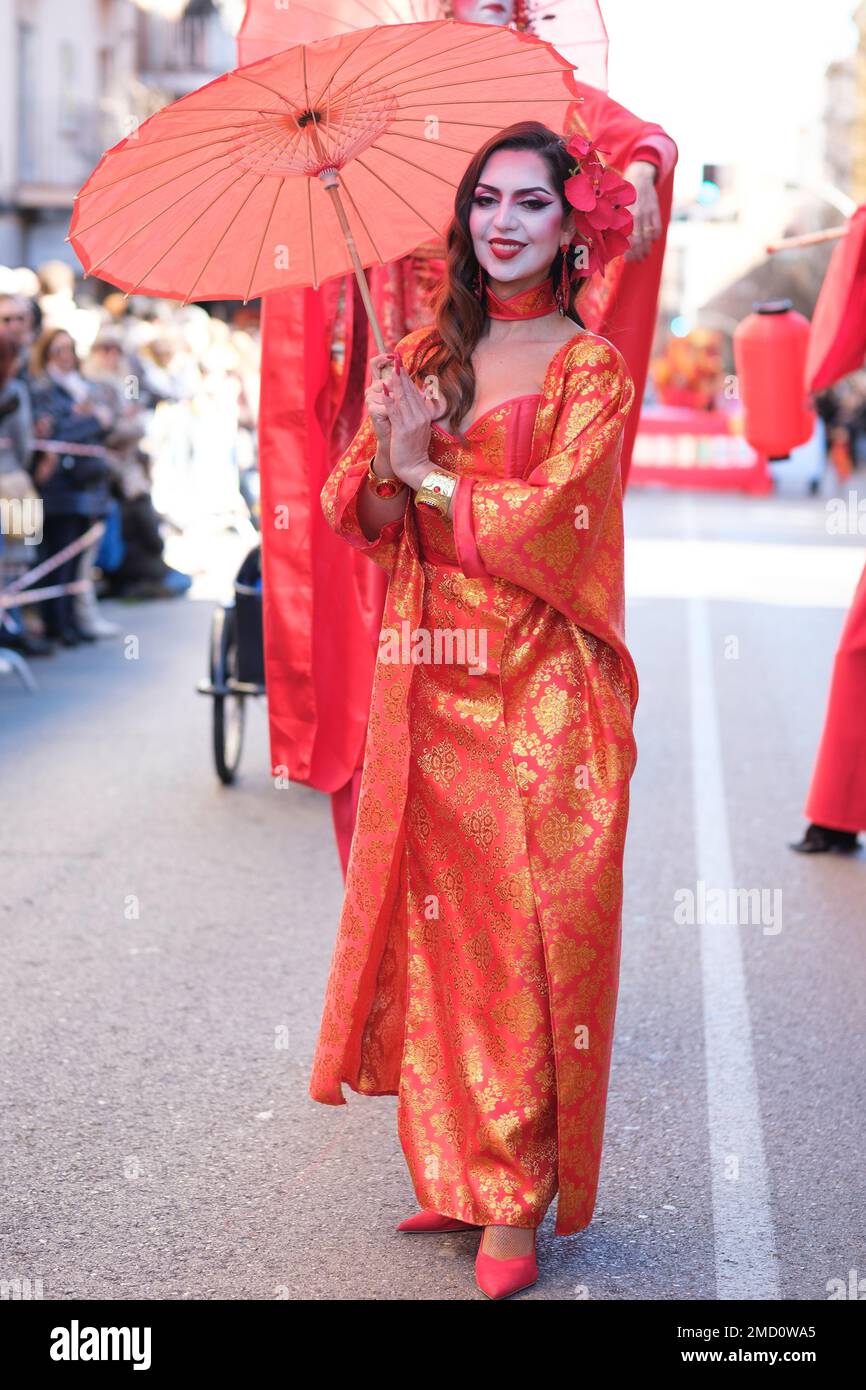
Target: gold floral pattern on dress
x,y
476,965
480,826
441,763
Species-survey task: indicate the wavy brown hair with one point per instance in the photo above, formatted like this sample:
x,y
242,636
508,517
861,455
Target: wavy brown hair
x,y
460,316
42,349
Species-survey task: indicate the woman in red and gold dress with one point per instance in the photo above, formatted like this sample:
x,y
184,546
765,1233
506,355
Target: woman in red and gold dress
x,y
476,965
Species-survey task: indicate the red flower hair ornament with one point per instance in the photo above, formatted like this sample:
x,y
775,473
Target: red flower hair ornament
x,y
599,196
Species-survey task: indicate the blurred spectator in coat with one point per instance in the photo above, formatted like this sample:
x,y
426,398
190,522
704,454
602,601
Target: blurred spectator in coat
x,y
18,317
142,572
17,555
74,487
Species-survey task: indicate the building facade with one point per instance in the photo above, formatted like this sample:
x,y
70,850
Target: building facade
x,y
76,76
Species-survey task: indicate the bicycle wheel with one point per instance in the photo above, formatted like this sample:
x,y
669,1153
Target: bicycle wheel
x,y
228,710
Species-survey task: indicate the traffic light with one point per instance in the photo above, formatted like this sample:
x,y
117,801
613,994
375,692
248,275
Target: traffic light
x,y
710,190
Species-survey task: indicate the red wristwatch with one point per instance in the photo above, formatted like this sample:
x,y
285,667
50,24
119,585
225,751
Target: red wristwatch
x,y
383,487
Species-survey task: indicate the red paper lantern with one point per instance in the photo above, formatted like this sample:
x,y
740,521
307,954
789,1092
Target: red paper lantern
x,y
770,348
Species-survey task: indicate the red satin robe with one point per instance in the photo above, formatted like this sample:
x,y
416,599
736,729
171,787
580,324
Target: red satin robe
x,y
476,965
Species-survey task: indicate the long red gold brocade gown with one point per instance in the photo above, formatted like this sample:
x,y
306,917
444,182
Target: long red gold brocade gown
x,y
476,965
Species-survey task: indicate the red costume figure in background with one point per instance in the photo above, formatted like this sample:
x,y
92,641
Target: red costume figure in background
x,y
323,606
622,304
836,802
322,603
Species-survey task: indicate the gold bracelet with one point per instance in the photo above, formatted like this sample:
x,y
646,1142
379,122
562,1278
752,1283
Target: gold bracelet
x,y
383,487
436,490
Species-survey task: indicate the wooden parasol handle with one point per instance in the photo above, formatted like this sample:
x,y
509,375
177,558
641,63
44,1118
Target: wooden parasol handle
x,y
330,181
808,238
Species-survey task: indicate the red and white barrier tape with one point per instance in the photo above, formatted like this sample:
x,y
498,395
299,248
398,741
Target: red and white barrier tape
x,y
60,446
75,586
14,593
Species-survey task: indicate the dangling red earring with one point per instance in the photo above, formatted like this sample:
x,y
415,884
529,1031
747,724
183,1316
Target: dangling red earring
x,y
563,292
479,284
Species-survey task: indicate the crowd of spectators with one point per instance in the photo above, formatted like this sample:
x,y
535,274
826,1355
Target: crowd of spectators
x,y
156,404
843,410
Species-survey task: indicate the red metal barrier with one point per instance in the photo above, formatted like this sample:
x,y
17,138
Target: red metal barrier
x,y
681,447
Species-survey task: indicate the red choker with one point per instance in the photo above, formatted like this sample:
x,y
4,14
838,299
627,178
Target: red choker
x,y
533,303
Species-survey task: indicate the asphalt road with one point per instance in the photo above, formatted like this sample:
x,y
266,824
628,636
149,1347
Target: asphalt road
x,y
166,943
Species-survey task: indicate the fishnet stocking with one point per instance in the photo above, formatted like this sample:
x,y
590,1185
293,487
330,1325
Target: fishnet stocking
x,y
507,1242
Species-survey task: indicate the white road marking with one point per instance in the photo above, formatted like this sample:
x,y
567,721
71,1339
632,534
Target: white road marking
x,y
745,1246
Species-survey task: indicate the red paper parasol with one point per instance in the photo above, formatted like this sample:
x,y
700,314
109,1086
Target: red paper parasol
x,y
237,189
266,28
576,30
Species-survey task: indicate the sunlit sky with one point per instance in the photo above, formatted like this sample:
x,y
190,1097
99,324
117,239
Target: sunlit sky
x,y
730,81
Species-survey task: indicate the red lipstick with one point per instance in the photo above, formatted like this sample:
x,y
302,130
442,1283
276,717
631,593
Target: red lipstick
x,y
505,249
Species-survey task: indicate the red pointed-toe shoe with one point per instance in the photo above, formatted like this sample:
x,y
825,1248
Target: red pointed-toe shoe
x,y
501,1278
431,1223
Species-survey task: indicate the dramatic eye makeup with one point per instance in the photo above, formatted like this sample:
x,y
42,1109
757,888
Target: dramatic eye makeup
x,y
485,194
